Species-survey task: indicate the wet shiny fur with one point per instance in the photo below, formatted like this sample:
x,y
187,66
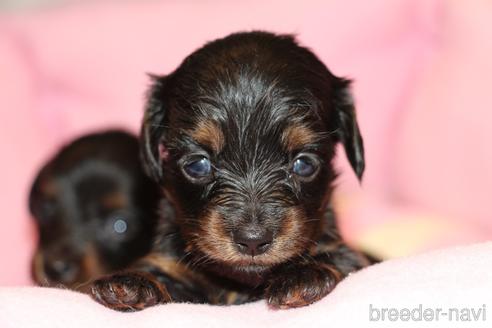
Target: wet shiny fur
x,y
241,138
94,208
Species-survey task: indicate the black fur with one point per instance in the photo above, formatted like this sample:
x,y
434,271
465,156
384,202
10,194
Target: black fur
x,y
253,105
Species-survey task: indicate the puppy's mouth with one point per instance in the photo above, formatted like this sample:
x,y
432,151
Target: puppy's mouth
x,y
251,253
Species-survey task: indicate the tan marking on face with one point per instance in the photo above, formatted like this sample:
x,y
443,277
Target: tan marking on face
x,y
91,266
213,240
114,200
289,242
208,133
297,136
292,239
38,269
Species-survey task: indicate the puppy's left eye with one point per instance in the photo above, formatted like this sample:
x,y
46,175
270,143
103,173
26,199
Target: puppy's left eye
x,y
304,167
200,168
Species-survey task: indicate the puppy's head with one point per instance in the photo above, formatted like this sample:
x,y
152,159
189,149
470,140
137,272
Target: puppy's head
x,y
241,137
94,209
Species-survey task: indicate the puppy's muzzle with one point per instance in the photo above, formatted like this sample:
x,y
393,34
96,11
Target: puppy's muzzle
x,y
252,240
61,270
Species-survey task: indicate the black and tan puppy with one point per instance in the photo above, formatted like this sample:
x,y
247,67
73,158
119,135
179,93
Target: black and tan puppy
x,y
241,137
95,210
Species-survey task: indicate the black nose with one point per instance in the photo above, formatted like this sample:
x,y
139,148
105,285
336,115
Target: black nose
x,y
61,270
252,241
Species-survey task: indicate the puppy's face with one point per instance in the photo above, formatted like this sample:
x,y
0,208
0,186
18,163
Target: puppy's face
x,y
94,210
241,136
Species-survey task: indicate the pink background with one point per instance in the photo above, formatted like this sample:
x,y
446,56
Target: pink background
x,y
422,74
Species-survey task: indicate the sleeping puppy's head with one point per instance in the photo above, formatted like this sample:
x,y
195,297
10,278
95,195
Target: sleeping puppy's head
x,y
94,209
241,136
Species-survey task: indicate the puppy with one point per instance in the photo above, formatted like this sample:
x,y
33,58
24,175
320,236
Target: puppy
x,y
241,138
95,210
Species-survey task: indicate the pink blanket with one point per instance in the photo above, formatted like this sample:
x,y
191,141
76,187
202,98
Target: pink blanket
x,y
446,288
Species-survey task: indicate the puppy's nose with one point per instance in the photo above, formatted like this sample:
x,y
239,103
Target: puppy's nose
x,y
252,242
61,270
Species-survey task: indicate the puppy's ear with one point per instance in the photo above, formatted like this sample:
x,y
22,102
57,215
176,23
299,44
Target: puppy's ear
x,y
153,128
347,128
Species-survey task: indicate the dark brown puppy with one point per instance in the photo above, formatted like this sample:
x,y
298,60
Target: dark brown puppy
x,y
95,210
241,138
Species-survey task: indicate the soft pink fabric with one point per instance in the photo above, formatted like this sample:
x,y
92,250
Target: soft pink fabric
x,y
420,85
447,128
456,278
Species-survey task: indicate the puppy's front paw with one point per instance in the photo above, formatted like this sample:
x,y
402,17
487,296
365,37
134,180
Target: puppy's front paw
x,y
300,285
129,291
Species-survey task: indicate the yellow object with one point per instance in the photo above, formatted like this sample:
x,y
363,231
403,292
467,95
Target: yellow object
x,y
404,237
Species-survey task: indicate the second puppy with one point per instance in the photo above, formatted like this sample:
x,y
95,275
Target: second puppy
x,y
95,210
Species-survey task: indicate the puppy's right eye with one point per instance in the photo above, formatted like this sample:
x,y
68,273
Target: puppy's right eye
x,y
199,168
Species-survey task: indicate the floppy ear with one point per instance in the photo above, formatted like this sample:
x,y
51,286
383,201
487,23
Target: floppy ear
x,y
348,130
152,129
